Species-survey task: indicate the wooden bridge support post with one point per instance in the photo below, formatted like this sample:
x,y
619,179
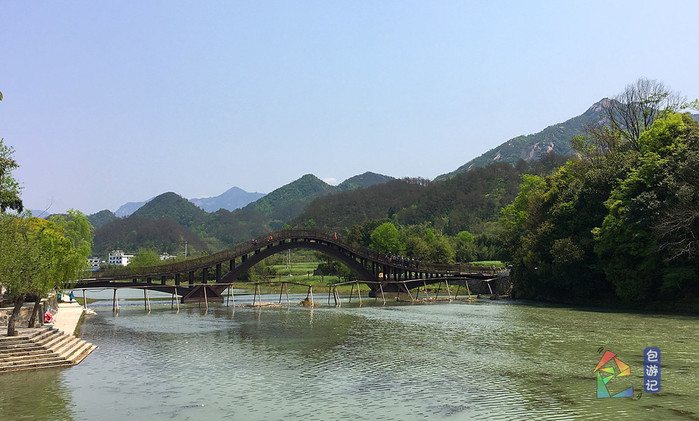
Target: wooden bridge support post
x,y
408,291
336,297
115,302
383,297
146,300
424,284
286,289
178,301
446,282
439,286
359,294
351,291
257,292
281,290
206,300
310,294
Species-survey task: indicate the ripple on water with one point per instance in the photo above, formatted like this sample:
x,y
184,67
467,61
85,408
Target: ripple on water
x,y
455,361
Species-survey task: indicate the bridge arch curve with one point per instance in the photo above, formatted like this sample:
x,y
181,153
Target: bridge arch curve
x,y
336,251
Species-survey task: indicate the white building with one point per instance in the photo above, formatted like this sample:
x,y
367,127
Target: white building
x,y
94,262
166,256
117,257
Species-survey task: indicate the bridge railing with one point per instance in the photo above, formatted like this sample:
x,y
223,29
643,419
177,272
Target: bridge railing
x,y
250,246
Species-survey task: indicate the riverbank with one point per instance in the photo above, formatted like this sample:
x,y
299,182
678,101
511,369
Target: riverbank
x,y
68,317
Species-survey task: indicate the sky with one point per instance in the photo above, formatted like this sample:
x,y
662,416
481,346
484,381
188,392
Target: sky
x,y
108,102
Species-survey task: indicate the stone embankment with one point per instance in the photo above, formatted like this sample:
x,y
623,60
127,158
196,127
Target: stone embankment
x,y
47,346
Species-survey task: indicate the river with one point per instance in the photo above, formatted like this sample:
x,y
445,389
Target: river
x,y
483,360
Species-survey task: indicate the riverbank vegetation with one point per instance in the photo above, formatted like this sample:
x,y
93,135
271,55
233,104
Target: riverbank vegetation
x,y
619,224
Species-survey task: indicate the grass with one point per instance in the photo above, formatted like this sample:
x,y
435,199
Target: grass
x,y
496,263
318,288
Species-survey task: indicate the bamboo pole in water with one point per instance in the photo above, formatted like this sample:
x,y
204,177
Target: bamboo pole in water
x,y
408,291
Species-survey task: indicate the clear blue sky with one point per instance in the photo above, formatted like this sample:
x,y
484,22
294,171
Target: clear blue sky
x,y
110,102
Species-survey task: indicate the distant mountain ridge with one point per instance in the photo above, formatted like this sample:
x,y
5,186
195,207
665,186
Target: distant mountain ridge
x,y
129,207
148,225
232,199
554,138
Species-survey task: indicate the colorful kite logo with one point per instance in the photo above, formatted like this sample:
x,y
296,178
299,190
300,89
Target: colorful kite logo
x,y
605,373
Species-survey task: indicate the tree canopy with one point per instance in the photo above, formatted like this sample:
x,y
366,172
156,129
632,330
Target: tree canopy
x,y
9,187
620,227
38,256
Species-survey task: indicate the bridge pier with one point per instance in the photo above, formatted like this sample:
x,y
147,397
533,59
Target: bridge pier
x,y
200,292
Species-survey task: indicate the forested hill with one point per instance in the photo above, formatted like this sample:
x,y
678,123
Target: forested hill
x,y
555,138
469,201
361,181
169,220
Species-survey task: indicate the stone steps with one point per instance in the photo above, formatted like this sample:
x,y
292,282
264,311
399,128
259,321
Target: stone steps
x,y
41,348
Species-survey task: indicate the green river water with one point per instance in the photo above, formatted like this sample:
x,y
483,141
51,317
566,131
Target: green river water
x,y
484,360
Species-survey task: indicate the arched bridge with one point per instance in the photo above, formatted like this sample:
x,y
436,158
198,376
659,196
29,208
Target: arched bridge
x,y
212,274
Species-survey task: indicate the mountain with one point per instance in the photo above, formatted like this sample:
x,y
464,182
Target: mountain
x,y
153,224
555,138
100,218
128,208
285,203
172,205
363,181
138,232
232,199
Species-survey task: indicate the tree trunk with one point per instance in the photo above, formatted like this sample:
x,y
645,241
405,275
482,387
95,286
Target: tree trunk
x,y
11,330
35,312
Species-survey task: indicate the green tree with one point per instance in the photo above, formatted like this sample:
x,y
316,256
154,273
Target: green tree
x,y
38,256
145,258
385,239
640,255
635,109
464,249
9,187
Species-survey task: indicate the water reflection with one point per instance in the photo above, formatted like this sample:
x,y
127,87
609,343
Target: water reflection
x,y
34,395
487,360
